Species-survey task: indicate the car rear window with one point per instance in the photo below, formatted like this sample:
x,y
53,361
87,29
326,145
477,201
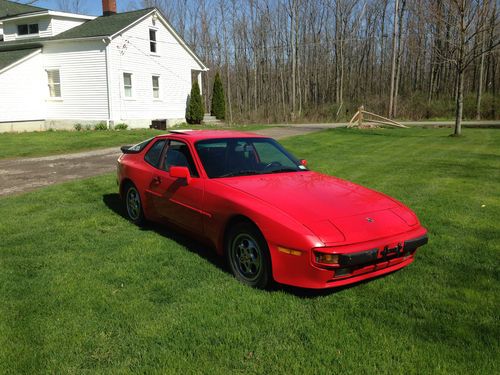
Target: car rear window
x,y
140,146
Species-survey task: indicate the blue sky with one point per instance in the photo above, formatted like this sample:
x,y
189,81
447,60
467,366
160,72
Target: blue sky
x,y
92,7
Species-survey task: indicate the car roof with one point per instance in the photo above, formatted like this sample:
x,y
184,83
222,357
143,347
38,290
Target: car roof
x,y
195,135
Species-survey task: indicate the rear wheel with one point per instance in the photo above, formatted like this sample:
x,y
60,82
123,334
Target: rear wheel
x,y
248,255
133,204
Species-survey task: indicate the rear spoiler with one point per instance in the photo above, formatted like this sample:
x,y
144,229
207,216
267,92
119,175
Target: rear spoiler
x,y
135,149
130,149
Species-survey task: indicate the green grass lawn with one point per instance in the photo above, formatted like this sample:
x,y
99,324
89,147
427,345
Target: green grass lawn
x,y
62,141
26,144
84,291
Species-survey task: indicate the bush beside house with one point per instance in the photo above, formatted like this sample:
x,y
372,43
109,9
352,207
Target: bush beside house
x,y
218,100
194,112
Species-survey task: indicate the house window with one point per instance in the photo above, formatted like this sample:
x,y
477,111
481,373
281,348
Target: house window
x,y
152,40
27,29
54,83
127,84
156,87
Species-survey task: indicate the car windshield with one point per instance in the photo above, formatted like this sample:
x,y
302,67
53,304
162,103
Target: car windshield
x,y
229,157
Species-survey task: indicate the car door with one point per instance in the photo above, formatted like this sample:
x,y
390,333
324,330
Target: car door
x,y
150,171
175,199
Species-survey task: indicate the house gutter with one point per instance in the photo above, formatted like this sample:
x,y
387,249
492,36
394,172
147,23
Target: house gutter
x,y
45,13
107,42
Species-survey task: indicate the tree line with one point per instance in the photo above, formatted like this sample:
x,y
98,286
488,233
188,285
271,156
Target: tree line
x,y
293,60
284,60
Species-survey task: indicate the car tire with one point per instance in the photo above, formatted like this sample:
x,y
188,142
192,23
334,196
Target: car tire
x,y
133,204
248,256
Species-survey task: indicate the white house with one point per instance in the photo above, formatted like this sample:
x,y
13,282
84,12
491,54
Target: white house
x,y
58,69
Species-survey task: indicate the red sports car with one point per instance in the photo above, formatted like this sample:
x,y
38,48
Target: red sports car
x,y
261,207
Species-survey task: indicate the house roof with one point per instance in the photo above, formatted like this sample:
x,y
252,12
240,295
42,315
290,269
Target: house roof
x,y
7,58
104,25
98,27
21,44
10,9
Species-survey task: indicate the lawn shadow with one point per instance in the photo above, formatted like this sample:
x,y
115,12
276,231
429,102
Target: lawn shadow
x,y
113,202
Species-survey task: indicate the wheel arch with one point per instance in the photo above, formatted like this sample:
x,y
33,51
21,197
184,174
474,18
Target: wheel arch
x,y
233,220
267,264
126,181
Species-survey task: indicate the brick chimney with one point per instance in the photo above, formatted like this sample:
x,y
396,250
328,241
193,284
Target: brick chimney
x,y
108,7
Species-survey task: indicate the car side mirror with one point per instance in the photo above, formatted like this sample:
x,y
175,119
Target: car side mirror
x,y
180,172
303,162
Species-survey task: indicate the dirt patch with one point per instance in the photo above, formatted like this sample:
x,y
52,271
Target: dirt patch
x,y
26,174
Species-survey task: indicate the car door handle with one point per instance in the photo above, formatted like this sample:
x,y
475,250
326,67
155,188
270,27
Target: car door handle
x,y
156,180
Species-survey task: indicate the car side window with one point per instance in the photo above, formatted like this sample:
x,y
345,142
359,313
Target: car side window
x,y
154,153
178,155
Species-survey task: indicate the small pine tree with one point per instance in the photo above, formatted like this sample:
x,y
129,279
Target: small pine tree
x,y
218,101
194,112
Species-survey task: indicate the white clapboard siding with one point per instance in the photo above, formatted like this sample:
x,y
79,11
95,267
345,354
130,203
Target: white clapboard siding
x,y
82,68
22,91
60,24
44,28
130,52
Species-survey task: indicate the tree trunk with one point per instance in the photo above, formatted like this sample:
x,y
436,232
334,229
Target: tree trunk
x,y
431,85
393,64
382,49
398,62
460,103
481,75
226,55
294,60
480,87
460,72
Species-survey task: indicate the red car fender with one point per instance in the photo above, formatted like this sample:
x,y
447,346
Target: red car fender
x,y
138,173
278,228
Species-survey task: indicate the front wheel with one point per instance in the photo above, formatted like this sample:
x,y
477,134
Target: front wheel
x,y
248,255
133,204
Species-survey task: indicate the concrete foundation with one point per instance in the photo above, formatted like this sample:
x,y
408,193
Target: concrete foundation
x,y
145,123
42,125
22,126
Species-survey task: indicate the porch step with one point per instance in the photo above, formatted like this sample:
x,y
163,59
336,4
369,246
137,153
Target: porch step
x,y
209,119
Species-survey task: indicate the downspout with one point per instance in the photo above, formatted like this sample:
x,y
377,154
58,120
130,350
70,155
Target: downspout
x,y
109,121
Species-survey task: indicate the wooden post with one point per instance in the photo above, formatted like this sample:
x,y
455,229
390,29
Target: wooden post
x,y
360,117
354,118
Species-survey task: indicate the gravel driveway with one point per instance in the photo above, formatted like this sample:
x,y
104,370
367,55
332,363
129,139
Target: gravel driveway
x,y
27,174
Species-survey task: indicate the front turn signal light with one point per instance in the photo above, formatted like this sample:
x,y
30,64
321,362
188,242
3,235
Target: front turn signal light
x,y
326,258
289,251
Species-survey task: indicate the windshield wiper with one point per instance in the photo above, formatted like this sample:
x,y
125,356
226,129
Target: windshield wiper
x,y
284,169
245,172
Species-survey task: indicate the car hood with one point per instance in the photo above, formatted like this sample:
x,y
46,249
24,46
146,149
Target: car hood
x,y
335,210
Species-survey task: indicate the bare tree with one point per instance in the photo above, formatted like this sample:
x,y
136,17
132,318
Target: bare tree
x,y
73,6
319,60
394,54
466,24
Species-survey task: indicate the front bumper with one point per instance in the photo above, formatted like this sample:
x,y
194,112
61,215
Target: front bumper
x,y
356,262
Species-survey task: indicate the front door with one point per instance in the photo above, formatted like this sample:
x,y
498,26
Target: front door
x,y
174,199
